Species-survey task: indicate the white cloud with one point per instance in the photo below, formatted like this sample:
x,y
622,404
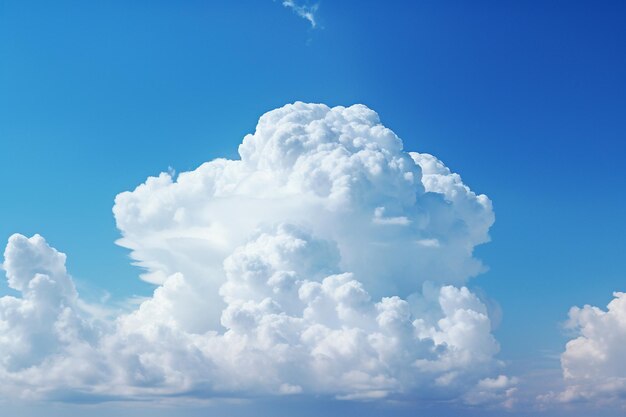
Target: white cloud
x,y
30,326
336,171
294,326
500,390
305,11
326,261
593,363
42,331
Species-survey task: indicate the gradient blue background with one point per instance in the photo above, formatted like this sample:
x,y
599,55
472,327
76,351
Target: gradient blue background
x,y
526,100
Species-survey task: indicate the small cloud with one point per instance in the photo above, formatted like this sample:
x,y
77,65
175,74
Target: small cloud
x,y
593,362
380,218
305,11
429,243
288,389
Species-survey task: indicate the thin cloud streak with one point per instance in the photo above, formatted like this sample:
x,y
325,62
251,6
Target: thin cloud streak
x,y
304,11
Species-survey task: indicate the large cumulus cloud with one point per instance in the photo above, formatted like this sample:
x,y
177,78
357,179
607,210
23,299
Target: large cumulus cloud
x,y
326,260
398,219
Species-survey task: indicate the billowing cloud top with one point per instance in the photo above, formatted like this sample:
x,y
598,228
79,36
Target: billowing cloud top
x,y
326,260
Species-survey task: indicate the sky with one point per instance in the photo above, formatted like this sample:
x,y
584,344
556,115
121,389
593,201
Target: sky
x,y
524,100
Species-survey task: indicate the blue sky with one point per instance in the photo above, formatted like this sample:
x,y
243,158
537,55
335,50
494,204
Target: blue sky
x,y
525,100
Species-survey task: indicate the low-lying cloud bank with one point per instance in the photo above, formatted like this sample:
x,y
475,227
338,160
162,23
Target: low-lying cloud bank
x,y
326,260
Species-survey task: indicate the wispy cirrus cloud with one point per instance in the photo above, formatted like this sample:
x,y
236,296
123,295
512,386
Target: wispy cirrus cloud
x,y
306,11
